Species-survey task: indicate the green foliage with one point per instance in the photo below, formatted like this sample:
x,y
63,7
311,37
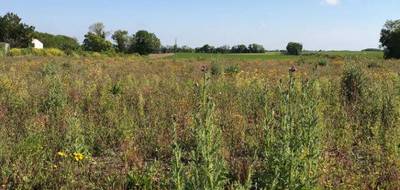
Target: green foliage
x,y
352,84
292,139
51,52
122,39
216,69
256,48
208,168
323,62
14,32
145,43
240,49
205,49
390,39
232,69
96,43
62,42
294,48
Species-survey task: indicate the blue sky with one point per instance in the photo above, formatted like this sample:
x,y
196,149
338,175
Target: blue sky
x,y
318,24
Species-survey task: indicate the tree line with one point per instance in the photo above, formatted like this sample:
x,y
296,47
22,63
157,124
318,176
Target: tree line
x,y
19,35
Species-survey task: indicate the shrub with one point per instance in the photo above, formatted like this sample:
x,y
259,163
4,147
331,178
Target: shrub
x,y
216,69
294,48
233,69
16,52
51,52
323,62
352,84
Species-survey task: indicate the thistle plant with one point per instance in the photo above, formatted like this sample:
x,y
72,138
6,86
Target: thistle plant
x,y
291,129
208,168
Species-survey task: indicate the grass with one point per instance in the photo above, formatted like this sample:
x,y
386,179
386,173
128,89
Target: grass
x,y
188,122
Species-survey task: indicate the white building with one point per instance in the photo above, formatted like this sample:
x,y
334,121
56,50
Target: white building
x,y
37,44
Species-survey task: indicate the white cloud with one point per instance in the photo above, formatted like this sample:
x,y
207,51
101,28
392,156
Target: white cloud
x,y
332,2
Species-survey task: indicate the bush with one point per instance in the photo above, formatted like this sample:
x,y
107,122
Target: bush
x,y
352,82
323,62
294,48
216,69
16,52
233,69
51,52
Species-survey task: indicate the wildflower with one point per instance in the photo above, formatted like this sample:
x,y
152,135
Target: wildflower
x,y
293,69
204,68
62,154
78,156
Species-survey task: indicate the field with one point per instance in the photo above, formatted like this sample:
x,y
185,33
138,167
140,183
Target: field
x,y
200,121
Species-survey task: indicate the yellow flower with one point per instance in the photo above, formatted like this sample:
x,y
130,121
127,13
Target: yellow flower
x,y
78,156
62,154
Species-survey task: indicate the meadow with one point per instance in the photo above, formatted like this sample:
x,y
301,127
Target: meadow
x,y
200,121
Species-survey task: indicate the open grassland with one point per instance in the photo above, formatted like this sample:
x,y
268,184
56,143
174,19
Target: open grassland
x,y
200,121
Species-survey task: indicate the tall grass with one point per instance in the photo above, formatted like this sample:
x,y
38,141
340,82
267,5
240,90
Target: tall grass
x,y
145,123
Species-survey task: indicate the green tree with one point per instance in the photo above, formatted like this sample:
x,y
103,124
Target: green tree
x,y
390,39
240,49
98,29
121,38
57,41
294,48
145,43
256,48
14,32
95,39
205,49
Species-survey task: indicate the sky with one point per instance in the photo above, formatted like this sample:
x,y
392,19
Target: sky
x,y
318,24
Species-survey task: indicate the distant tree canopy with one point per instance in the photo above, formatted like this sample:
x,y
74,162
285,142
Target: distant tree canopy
x,y
121,38
145,43
95,39
252,48
390,39
294,48
205,49
62,42
14,32
240,49
176,49
256,48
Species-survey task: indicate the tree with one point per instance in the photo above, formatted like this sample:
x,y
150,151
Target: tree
x,y
256,48
62,42
205,49
98,29
145,43
96,43
390,39
223,49
294,48
121,37
12,31
240,49
95,39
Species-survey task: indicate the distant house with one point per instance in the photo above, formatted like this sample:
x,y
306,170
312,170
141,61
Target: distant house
x,y
37,44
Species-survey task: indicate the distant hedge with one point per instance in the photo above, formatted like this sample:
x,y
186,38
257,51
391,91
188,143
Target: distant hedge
x,y
36,52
